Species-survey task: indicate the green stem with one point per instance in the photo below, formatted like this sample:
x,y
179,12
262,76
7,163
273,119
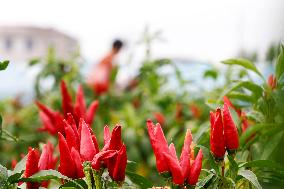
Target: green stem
x,y
98,179
88,175
223,168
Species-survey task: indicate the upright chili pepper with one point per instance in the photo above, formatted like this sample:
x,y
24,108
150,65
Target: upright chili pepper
x,y
36,162
159,145
230,130
167,160
217,142
53,120
67,106
272,81
120,165
195,169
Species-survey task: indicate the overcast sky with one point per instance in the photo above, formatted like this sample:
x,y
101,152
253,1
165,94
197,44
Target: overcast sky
x,y
201,29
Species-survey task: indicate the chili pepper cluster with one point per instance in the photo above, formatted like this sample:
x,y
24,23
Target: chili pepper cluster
x,y
224,133
53,120
77,142
184,170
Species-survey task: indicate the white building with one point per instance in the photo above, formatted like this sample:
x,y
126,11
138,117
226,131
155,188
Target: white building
x,y
21,43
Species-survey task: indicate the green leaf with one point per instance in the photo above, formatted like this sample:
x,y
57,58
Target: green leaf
x,y
74,184
34,61
244,63
21,165
0,126
271,145
233,166
15,178
208,156
254,88
45,175
210,73
231,182
4,64
280,63
251,131
205,181
262,164
241,96
48,175
142,182
3,176
250,176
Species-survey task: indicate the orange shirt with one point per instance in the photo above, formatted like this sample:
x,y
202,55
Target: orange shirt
x,y
100,77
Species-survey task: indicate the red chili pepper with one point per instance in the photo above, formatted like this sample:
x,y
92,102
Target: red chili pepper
x,y
120,165
113,155
179,112
32,167
230,130
160,118
195,110
102,156
217,142
70,160
53,120
241,114
167,159
91,112
80,104
195,169
230,104
36,162
272,82
67,106
175,167
67,165
186,154
159,145
245,123
87,145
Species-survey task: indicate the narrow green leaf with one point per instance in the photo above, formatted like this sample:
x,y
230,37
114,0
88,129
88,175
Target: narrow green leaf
x,y
244,63
231,182
205,181
21,165
142,182
45,175
271,145
0,126
241,96
262,164
233,166
250,176
280,63
208,156
4,64
48,175
74,184
254,88
34,61
15,178
251,131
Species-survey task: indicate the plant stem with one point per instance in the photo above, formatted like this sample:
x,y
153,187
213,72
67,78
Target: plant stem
x,y
88,175
98,181
223,168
